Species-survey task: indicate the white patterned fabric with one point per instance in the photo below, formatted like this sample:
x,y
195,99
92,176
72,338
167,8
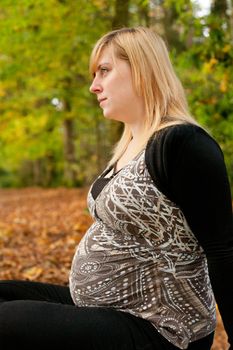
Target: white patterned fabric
x,y
141,257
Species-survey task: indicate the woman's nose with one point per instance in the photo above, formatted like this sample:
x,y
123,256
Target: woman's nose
x,y
95,86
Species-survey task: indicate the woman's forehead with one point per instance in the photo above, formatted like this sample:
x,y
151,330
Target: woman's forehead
x,y
107,54
102,56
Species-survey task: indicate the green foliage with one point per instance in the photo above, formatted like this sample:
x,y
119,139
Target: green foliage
x,y
44,81
206,72
44,53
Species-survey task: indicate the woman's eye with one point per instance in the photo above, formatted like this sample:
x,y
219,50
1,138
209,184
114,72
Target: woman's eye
x,y
103,70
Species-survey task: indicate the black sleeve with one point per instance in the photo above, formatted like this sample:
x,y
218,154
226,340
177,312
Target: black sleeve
x,y
188,166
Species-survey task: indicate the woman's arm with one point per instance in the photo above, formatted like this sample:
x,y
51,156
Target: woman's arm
x,y
188,166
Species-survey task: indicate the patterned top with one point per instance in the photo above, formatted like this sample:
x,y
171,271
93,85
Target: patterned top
x,y
140,256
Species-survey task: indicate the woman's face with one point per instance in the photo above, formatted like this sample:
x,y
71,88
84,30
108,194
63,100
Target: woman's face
x,y
113,86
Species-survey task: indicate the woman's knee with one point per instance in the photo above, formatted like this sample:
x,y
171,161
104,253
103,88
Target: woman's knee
x,y
8,318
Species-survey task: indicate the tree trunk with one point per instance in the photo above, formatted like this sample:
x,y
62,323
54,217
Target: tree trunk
x,y
69,152
230,14
143,12
219,7
121,17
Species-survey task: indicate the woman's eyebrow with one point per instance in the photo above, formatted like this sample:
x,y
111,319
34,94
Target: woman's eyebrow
x,y
103,64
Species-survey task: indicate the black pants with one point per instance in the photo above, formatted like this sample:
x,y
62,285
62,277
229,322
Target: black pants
x,y
36,315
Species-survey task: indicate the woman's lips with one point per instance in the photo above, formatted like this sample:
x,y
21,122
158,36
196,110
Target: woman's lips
x,y
101,100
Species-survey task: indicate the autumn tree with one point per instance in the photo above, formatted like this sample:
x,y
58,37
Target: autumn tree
x,y
52,131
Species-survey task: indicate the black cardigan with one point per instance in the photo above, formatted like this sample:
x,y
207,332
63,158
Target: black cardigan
x,y
188,166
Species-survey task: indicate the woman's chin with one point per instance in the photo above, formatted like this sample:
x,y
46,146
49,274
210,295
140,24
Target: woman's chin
x,y
111,116
108,115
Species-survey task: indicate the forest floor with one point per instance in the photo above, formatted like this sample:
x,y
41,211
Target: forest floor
x,y
39,231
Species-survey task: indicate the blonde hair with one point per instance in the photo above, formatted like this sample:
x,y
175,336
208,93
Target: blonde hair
x,y
153,78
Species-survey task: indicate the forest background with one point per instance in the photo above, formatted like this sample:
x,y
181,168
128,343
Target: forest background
x,y
52,132
53,137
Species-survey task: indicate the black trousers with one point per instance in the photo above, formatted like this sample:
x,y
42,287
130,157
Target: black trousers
x,y
36,315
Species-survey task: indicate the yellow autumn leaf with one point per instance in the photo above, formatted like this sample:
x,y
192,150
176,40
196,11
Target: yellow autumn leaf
x,y
208,66
224,83
5,230
2,91
226,48
32,273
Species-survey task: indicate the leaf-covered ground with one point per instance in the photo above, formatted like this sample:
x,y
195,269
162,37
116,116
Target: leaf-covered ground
x,y
39,230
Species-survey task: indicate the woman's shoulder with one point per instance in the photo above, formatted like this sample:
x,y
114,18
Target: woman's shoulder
x,y
181,131
177,149
184,136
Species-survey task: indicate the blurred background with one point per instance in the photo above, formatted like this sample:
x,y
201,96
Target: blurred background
x,y
52,132
53,137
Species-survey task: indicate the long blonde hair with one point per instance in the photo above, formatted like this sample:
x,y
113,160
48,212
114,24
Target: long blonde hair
x,y
153,78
